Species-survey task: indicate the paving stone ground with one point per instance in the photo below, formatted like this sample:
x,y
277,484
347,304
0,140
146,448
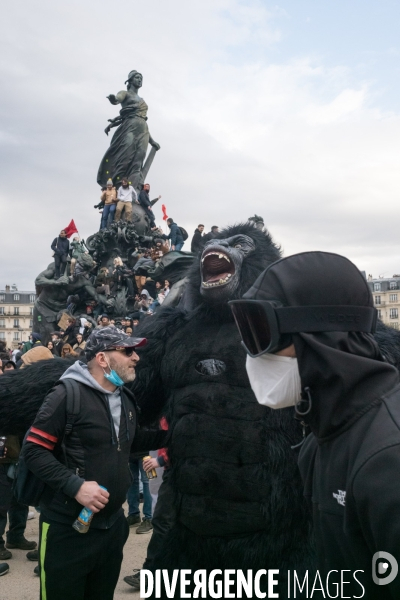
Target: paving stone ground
x,y
21,583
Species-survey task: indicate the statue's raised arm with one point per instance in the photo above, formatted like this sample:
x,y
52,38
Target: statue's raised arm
x,y
127,152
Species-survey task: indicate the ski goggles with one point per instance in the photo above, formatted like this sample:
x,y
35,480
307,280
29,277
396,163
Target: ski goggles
x,y
266,327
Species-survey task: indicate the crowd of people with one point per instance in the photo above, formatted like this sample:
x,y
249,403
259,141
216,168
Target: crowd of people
x,y
331,370
71,343
117,203
145,294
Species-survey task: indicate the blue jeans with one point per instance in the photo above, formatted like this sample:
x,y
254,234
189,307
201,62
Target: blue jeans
x,y
109,209
154,305
133,492
17,513
179,246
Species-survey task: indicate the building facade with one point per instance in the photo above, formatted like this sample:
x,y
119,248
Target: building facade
x,y
386,293
16,315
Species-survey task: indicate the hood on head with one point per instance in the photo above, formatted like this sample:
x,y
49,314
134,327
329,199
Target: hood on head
x,y
344,370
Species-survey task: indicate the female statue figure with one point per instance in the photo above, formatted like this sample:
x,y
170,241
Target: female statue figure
x,y
127,151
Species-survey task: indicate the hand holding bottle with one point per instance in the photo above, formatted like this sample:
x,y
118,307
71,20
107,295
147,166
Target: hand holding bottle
x,y
92,496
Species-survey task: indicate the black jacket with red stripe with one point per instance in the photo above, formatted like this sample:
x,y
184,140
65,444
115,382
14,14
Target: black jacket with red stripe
x,y
93,453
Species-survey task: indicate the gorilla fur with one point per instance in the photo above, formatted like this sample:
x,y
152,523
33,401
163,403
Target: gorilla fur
x,y
234,473
23,391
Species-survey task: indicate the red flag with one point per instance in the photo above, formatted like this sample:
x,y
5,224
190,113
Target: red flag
x,y
164,211
70,229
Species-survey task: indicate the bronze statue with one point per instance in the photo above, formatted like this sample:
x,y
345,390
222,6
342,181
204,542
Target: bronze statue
x,y
52,295
128,148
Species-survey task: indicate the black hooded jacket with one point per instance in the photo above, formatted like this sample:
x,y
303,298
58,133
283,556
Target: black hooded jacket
x,y
197,241
350,463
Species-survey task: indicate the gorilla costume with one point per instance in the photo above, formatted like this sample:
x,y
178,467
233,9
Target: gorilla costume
x,y
233,469
234,472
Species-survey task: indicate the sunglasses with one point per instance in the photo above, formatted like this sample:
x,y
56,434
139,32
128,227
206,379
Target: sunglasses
x,y
127,351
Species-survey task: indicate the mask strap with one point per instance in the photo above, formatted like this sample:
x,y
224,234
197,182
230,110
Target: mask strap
x,y
108,364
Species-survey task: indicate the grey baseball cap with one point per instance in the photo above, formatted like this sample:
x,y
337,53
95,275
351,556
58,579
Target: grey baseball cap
x,y
109,338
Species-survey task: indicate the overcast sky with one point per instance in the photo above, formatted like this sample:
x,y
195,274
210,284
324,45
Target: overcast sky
x,y
290,111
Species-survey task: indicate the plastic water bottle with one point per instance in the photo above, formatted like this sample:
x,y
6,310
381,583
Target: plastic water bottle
x,y
82,522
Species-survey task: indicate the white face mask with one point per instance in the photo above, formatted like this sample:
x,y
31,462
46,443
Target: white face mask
x,y
275,380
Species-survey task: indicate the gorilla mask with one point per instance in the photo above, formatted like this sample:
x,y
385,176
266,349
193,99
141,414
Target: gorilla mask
x,y
220,266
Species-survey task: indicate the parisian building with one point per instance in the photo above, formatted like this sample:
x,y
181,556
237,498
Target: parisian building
x,y
16,315
386,293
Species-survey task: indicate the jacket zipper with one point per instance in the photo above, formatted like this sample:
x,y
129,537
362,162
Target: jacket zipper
x,y
118,447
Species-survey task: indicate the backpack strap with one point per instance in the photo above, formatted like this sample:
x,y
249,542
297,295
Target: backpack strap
x,y
73,402
73,408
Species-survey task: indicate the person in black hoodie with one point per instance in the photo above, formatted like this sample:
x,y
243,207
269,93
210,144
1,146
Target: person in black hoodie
x,y
197,239
71,332
146,203
104,434
60,247
308,333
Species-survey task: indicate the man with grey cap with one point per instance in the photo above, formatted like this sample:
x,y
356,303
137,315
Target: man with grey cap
x,y
87,468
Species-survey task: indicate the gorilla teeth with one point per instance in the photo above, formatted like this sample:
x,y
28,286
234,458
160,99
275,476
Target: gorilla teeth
x,y
219,254
220,282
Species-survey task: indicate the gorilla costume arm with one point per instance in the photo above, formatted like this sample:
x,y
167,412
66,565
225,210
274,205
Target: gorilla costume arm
x,y
23,391
150,391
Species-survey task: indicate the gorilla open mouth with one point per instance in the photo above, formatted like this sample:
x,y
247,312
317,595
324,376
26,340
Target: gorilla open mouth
x,y
217,269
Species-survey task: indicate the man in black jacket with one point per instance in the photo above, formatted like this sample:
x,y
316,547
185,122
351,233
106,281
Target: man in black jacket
x,y
319,356
104,434
60,247
146,203
58,343
197,239
211,235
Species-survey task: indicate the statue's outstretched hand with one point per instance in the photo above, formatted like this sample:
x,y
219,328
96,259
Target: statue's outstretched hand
x,y
112,99
155,145
107,129
63,280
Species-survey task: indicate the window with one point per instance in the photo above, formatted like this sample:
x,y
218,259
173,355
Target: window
x,y
16,297
2,335
377,287
394,313
379,314
31,310
1,310
393,285
394,325
16,336
16,322
377,299
32,297
2,298
392,297
2,322
31,323
16,310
